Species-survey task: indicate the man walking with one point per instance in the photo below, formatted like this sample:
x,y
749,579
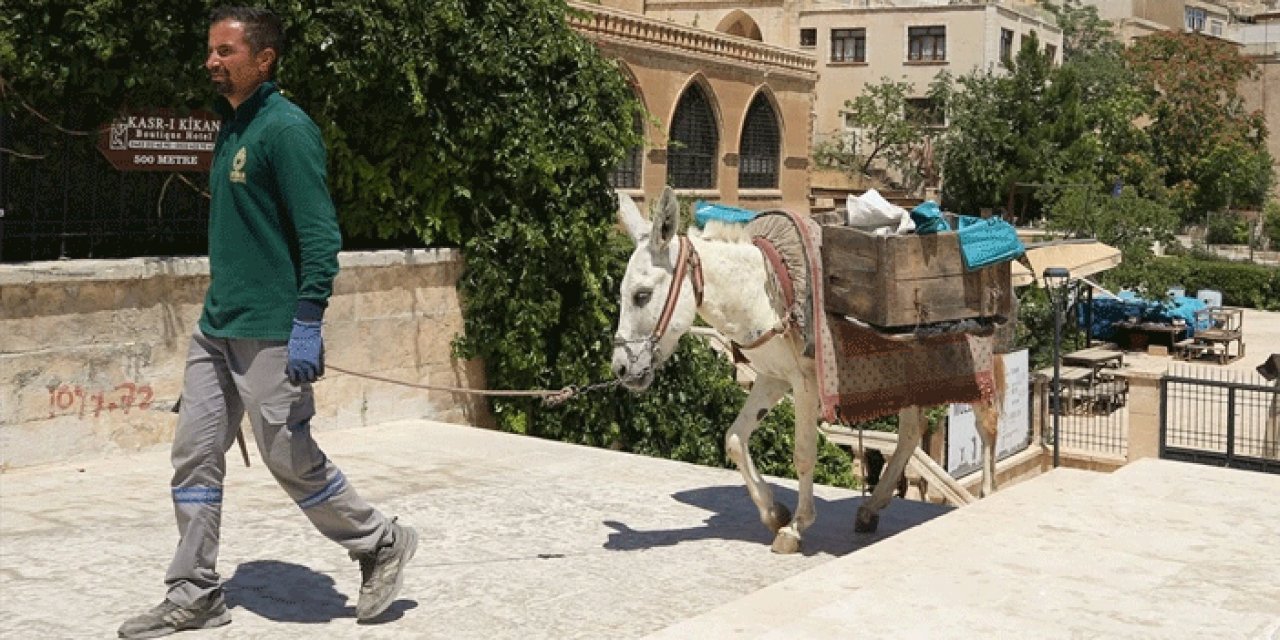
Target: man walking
x,y
273,255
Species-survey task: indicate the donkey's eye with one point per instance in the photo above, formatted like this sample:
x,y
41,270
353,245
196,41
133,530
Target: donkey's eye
x,y
641,297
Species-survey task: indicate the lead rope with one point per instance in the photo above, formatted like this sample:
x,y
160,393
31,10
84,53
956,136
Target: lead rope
x,y
549,397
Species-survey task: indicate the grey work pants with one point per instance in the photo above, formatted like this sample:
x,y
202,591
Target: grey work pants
x,y
224,379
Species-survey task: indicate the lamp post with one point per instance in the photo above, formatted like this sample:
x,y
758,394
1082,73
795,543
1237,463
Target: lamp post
x,y
1055,279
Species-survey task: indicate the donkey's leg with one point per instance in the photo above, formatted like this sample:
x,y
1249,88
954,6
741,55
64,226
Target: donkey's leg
x,y
911,423
765,393
987,416
805,456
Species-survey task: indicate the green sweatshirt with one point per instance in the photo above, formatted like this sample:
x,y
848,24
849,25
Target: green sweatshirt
x,y
273,231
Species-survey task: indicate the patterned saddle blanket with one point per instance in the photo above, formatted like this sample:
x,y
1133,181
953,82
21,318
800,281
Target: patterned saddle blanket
x,y
863,373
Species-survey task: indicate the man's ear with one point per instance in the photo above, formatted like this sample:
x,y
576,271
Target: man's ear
x,y
265,59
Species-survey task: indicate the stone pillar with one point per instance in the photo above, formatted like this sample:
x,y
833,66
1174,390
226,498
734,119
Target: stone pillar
x,y
1144,415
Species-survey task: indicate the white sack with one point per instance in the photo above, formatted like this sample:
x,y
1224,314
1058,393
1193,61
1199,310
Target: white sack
x,y
871,212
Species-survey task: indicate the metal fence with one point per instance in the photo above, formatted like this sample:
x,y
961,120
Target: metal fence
x,y
59,198
1094,415
1220,417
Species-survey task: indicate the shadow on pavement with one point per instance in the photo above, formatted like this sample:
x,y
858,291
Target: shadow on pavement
x,y
287,592
734,517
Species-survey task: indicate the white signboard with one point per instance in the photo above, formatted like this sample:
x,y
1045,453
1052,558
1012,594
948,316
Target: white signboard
x,y
964,447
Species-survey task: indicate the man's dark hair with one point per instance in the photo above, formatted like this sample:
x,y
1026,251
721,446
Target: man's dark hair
x,y
262,29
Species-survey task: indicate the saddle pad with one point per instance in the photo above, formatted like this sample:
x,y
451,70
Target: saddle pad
x,y
782,231
877,375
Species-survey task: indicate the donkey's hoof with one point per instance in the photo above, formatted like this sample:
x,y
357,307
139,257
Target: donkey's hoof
x,y
866,522
786,542
779,516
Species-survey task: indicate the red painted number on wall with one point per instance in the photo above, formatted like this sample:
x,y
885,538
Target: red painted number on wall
x,y
76,400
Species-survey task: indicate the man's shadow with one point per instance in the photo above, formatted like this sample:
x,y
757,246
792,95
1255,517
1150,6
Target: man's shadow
x,y
287,592
734,517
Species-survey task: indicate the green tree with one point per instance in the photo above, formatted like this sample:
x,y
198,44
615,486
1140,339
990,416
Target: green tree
x,y
1129,222
889,127
1007,129
1211,148
975,151
1084,32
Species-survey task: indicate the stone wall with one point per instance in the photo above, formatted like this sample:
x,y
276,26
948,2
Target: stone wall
x,y
92,351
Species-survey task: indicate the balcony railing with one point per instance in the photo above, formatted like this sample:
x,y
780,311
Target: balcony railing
x,y
620,26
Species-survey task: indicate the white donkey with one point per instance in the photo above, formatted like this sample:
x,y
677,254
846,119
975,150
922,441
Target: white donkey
x,y
672,278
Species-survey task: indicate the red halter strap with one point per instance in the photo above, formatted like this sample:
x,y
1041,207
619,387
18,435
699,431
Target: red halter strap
x,y
686,260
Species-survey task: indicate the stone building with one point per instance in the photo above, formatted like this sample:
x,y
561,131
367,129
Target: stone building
x,y
729,115
845,45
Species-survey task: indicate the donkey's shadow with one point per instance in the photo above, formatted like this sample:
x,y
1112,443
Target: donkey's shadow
x,y
734,517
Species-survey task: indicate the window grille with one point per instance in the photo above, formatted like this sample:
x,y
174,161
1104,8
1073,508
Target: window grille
x,y
65,201
848,45
808,37
1006,46
62,199
627,174
926,43
691,154
759,148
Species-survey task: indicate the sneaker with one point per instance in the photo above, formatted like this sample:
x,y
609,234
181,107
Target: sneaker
x,y
168,617
382,572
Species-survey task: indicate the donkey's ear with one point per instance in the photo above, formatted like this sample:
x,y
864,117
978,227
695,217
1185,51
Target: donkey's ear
x,y
632,219
666,218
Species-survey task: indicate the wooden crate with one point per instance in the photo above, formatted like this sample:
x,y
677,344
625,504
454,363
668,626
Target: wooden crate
x,y
908,280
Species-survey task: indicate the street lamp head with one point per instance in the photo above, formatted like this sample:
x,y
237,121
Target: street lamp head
x,y
1055,277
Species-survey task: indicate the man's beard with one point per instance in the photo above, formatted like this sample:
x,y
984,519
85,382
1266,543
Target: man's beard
x,y
222,84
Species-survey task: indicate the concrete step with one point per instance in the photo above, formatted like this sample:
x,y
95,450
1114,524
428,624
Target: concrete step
x,y
1157,550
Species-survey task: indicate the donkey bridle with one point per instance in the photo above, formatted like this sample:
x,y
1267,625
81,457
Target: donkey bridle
x,y
687,262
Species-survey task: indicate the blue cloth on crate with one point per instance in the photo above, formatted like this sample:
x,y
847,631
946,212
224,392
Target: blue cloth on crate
x,y
704,212
928,218
984,242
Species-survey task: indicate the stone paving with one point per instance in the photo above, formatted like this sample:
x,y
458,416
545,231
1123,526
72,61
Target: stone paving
x,y
520,538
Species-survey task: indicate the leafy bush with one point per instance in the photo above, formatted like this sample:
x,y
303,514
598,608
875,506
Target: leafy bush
x,y
1271,224
1242,284
1227,228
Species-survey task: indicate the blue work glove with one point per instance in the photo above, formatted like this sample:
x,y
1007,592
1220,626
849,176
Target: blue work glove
x,y
306,345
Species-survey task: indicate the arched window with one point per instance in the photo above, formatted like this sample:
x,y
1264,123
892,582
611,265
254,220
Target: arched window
x,y
759,147
691,153
627,174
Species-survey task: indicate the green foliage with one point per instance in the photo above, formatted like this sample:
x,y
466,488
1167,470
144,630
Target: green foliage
x,y
887,127
1227,228
79,61
1271,224
1084,32
1128,222
1034,126
489,126
1210,146
1242,284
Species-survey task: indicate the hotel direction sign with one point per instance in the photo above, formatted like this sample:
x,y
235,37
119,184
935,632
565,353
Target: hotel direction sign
x,y
160,140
